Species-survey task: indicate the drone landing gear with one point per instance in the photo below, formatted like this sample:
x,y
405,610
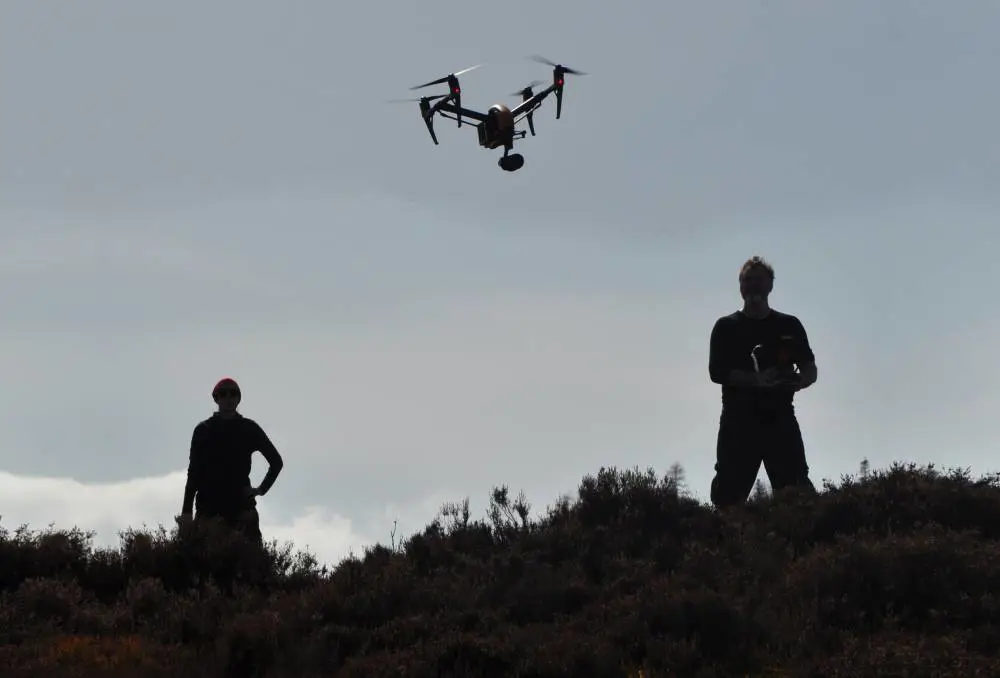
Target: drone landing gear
x,y
512,162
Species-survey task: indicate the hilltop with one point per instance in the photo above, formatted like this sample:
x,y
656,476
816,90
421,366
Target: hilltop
x,y
892,573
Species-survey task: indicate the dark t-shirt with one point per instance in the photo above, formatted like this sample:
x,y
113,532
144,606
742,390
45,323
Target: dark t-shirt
x,y
733,340
221,459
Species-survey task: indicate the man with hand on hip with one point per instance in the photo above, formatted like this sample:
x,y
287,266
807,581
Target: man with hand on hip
x,y
218,476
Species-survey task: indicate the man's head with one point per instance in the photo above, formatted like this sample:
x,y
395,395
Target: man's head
x,y
756,281
226,395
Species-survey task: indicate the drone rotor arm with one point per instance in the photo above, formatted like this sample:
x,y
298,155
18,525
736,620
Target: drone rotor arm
x,y
452,116
558,73
459,111
530,104
427,113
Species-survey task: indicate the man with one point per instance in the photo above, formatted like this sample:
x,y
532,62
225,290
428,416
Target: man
x,y
753,355
218,475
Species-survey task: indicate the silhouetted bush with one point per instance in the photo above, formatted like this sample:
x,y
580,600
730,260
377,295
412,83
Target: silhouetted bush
x,y
893,573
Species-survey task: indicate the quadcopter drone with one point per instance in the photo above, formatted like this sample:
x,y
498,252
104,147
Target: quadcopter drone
x,y
496,127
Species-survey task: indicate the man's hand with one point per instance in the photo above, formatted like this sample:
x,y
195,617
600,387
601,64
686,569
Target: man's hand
x,y
251,492
791,381
767,378
183,520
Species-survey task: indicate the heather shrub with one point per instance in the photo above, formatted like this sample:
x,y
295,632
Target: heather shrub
x,y
894,572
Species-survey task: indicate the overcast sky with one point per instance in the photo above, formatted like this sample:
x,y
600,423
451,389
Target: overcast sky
x,y
191,190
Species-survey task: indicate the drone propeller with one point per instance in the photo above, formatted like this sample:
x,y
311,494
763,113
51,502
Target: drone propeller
x,y
526,92
430,98
559,67
456,90
558,71
448,78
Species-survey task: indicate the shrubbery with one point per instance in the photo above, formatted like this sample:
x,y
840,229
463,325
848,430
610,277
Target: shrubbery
x,y
895,573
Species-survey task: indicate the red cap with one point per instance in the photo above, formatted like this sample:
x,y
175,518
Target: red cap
x,y
225,381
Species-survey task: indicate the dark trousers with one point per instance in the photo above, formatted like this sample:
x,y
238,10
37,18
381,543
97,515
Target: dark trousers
x,y
242,517
748,439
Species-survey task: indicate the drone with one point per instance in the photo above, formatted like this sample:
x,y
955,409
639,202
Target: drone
x,y
496,127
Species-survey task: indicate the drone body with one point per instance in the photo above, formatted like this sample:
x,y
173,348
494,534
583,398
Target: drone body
x,y
497,127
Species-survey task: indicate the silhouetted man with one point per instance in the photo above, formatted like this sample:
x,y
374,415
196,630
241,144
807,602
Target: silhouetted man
x,y
753,355
218,475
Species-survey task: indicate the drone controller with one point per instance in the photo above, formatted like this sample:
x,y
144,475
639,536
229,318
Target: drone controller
x,y
781,356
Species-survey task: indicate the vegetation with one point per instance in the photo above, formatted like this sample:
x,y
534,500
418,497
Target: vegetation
x,y
891,573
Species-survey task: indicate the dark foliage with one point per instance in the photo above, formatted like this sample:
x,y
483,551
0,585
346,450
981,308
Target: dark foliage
x,y
893,574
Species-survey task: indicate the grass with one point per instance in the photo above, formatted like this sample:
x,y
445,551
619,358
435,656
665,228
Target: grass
x,y
892,574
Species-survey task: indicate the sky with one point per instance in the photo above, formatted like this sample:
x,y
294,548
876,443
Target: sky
x,y
192,190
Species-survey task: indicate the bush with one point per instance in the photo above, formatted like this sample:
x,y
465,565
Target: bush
x,y
893,573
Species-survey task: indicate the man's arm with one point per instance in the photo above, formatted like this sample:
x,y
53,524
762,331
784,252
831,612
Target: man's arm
x,y
806,359
274,461
718,354
720,361
193,483
807,375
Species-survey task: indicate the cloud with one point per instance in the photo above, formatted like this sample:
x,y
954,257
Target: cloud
x,y
447,398
413,325
441,398
108,508
67,502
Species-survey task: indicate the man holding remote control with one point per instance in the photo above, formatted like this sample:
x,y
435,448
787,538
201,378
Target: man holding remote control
x,y
760,357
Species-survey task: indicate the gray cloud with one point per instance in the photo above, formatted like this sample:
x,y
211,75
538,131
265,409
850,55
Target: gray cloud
x,y
197,191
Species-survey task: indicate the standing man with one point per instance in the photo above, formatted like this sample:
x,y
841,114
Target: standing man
x,y
219,466
753,355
